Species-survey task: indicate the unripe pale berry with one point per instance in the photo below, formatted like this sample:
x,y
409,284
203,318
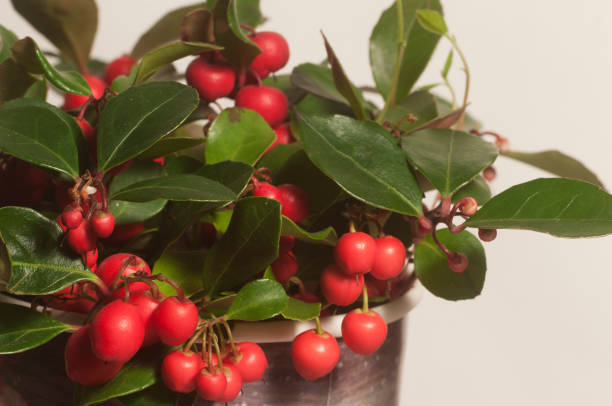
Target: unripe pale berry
x,y
487,234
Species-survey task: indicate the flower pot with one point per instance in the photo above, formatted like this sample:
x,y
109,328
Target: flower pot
x,y
37,376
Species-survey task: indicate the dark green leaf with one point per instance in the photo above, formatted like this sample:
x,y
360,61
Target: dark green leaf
x,y
258,300
185,137
22,328
239,50
238,134
312,259
342,83
557,163
326,237
301,311
431,266
248,11
445,107
42,134
176,165
165,55
397,226
166,29
38,90
7,39
432,21
137,118
478,188
249,245
362,158
234,175
420,45
319,80
560,207
449,159
183,268
27,53
278,156
14,80
38,265
312,105
69,24
138,374
159,395
416,110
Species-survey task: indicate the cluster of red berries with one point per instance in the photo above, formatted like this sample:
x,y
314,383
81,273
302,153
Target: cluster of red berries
x,y
295,203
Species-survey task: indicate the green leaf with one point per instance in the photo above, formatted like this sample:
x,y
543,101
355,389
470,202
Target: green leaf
x,y
557,163
42,134
191,188
164,30
342,83
183,268
38,90
301,311
248,11
7,39
319,80
27,53
249,245
14,80
138,374
449,159
420,45
278,156
258,300
165,55
283,82
420,105
137,118
38,265
560,207
185,137
238,50
432,21
325,237
447,64
397,226
445,107
312,105
69,24
478,188
22,329
362,158
238,134
234,175
159,395
432,269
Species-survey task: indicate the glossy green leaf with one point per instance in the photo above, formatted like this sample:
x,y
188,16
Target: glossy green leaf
x,y
137,118
14,80
7,39
397,226
445,107
431,266
38,265
164,30
248,11
560,207
190,188
38,90
363,160
159,395
449,159
312,105
238,134
342,82
234,175
432,21
319,80
238,50
301,311
478,188
167,54
557,163
258,300
185,137
249,245
420,45
278,156
69,24
414,111
138,374
183,268
22,329
27,53
42,134
326,237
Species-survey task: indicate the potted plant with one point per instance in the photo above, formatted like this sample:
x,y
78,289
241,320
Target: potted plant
x,y
182,225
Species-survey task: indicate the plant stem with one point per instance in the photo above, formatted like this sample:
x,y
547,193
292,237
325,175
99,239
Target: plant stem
x,y
320,330
365,298
466,69
401,47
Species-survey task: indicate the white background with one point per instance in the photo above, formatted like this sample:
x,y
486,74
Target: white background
x,y
540,333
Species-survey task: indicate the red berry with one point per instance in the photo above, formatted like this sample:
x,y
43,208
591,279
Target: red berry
x,y
487,234
355,252
363,332
82,238
339,288
146,306
284,267
103,223
457,262
295,202
125,233
118,67
88,131
60,222
250,361
108,271
91,259
68,299
274,53
269,102
208,234
375,287
314,355
211,80
489,173
264,189
211,385
234,383
389,258
179,371
283,136
175,320
117,332
74,101
469,206
82,366
286,244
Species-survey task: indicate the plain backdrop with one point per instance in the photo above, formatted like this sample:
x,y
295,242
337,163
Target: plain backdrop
x,y
540,333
